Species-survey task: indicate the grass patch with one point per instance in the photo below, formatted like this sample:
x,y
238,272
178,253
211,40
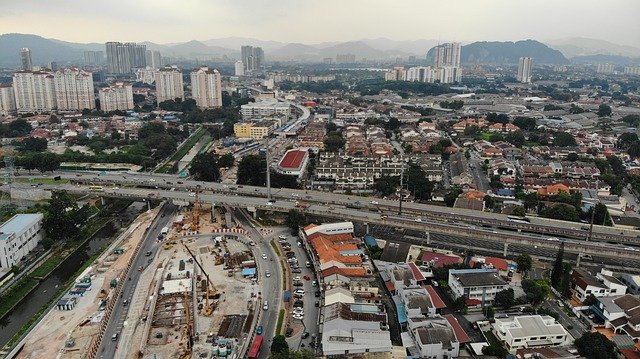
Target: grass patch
x,y
280,321
284,274
275,247
183,150
485,136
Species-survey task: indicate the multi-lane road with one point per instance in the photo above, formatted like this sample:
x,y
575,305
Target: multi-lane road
x,y
118,318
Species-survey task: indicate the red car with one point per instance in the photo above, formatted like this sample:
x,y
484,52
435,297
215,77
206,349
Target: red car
x,y
306,277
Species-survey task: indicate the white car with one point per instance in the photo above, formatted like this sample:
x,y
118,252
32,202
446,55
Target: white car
x,y
299,291
374,202
269,203
296,279
264,256
282,236
192,194
419,220
265,306
267,274
298,312
298,316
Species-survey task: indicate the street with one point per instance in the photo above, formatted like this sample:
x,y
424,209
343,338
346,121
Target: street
x,y
577,327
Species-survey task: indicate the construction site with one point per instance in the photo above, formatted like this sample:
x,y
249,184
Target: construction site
x,y
203,292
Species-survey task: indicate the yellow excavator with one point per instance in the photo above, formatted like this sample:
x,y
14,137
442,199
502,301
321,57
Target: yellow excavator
x,y
211,291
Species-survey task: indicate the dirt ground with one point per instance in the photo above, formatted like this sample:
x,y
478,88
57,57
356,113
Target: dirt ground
x,y
48,338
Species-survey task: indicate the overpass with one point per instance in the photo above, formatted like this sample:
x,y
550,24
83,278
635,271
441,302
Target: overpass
x,y
414,211
368,215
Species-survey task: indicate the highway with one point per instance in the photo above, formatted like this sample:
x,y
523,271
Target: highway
x,y
446,226
544,226
119,318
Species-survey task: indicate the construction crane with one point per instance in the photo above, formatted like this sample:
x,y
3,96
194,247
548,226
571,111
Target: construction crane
x,y
187,328
195,221
211,289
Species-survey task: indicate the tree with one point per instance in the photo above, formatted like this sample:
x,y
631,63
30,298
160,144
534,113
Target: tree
x,y
386,185
205,167
505,298
451,196
294,354
627,139
631,120
563,139
604,110
572,157
279,345
63,218
601,216
524,263
558,267
33,144
227,160
525,123
515,138
563,212
634,150
296,219
334,142
590,300
551,107
575,109
535,291
594,345
252,170
519,211
417,182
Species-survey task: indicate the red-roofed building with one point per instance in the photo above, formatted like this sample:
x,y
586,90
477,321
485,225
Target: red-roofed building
x,y
438,303
439,260
498,263
294,162
417,274
462,336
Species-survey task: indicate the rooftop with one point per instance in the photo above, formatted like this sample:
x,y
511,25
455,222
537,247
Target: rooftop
x,y
18,223
293,159
478,277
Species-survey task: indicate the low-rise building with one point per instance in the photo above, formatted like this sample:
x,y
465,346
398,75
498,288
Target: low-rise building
x,y
18,236
294,162
603,284
266,108
477,286
529,331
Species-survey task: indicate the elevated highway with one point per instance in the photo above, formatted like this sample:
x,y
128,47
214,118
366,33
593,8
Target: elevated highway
x,y
370,215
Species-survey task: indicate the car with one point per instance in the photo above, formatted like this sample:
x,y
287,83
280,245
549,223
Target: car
x,y
317,303
140,269
114,337
298,316
125,303
265,306
149,260
296,278
252,243
148,253
298,303
314,283
419,220
269,203
192,194
264,256
259,330
306,277
298,311
374,202
283,237
267,274
292,260
299,291
298,284
296,270
308,264
288,332
305,335
317,293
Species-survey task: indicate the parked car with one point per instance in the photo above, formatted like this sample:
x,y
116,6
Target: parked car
x,y
259,330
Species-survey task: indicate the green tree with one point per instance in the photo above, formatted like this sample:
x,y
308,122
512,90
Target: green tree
x,y
565,283
525,123
296,219
294,354
519,211
631,120
604,110
451,196
576,109
205,167
535,291
33,144
558,267
63,218
386,185
594,345
601,217
634,150
417,182
334,142
563,212
279,345
590,300
252,171
627,139
563,139
572,157
524,263
515,138
17,128
227,160
505,298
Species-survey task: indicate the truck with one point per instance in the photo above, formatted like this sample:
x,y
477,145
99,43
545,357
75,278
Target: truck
x,y
301,205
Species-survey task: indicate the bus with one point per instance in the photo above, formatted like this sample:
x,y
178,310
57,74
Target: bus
x,y
255,347
96,188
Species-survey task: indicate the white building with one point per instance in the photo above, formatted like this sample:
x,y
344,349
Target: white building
x,y
74,89
529,331
239,68
330,228
477,286
169,85
603,284
153,59
433,338
118,96
448,54
263,109
294,162
18,236
396,74
206,87
605,68
34,91
7,100
146,75
449,74
632,70
525,65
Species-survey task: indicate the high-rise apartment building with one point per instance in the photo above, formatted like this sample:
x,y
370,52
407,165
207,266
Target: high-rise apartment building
x,y
206,87
73,89
118,96
53,66
525,65
605,68
34,91
345,58
252,58
169,85
447,54
122,58
632,70
93,57
154,59
7,100
25,59
396,74
239,68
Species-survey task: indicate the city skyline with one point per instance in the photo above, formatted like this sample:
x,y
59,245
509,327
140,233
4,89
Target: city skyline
x,y
546,21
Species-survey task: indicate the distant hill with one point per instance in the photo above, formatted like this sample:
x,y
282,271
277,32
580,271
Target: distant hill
x,y
612,59
494,52
580,46
42,50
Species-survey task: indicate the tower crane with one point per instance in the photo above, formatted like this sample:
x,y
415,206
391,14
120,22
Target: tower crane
x,y
211,289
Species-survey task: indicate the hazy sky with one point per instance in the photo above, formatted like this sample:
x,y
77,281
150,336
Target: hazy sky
x,y
312,21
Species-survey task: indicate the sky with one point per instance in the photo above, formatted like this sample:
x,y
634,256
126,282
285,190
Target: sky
x,y
315,21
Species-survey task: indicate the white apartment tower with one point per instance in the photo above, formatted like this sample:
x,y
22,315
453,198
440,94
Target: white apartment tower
x,y
206,87
7,100
25,59
74,89
239,68
448,55
154,59
169,85
118,96
122,58
525,65
34,91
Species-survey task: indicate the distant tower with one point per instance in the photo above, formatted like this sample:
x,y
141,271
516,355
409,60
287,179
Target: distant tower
x,y
524,69
25,57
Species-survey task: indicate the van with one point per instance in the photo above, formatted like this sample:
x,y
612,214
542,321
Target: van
x,y
114,337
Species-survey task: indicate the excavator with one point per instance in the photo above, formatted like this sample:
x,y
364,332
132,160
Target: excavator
x,y
211,291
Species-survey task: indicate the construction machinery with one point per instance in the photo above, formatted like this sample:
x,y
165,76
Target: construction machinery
x,y
211,290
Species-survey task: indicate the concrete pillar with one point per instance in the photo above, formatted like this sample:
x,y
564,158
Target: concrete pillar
x,y
504,251
428,237
102,200
366,228
578,260
148,205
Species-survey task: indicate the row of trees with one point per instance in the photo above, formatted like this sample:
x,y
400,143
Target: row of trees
x,y
206,166
415,180
252,170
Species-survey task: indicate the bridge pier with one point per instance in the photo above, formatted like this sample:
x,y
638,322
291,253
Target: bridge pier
x,y
504,251
366,231
148,206
428,237
102,200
